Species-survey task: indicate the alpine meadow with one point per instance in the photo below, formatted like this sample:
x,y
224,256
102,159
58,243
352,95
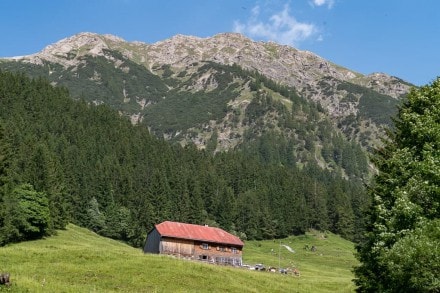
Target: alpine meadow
x,y
270,143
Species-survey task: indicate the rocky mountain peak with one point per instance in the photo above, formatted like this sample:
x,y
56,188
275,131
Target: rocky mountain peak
x,y
300,69
67,50
282,63
77,43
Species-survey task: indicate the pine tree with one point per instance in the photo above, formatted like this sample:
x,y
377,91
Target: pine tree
x,y
5,157
5,182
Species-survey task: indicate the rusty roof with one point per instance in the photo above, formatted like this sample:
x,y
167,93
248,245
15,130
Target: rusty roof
x,y
197,232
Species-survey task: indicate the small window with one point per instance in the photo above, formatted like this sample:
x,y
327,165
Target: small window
x,y
234,250
205,246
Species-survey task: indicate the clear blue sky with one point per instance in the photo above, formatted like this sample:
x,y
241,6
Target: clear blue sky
x,y
398,37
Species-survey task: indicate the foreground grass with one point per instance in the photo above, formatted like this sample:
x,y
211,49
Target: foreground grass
x,y
77,260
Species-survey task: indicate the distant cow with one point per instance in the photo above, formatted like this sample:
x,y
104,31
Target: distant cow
x,y
4,279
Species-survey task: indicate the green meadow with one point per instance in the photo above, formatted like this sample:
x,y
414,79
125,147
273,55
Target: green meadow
x,y
77,260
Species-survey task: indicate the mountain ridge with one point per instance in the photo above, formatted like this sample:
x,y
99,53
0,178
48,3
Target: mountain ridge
x,y
230,48
343,93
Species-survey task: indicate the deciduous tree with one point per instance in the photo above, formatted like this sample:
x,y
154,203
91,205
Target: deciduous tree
x,y
403,226
26,215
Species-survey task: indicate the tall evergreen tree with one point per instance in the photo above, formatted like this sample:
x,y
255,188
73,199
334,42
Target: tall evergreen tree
x,y
5,157
404,221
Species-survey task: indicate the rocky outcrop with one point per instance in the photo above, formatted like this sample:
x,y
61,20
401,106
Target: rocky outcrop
x,y
384,84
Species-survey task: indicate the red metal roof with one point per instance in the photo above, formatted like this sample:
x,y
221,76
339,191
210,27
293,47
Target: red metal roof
x,y
197,232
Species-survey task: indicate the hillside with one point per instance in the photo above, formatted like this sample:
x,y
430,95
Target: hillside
x,y
77,260
86,164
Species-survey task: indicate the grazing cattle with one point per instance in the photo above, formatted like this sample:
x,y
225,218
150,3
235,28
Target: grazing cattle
x,y
283,271
296,272
4,279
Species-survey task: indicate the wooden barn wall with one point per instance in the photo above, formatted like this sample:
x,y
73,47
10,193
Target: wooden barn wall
x,y
152,243
174,246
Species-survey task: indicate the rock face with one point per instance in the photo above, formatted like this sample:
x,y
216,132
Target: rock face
x,y
67,51
302,70
384,84
281,63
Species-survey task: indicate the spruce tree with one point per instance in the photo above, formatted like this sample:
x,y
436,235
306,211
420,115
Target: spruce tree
x,y
5,181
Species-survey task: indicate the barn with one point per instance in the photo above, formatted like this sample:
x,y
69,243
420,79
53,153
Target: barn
x,y
196,242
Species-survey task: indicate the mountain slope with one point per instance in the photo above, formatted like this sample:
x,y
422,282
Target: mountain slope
x,y
98,170
136,78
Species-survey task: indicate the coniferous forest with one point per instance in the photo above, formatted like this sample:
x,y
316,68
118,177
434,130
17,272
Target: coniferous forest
x,y
64,160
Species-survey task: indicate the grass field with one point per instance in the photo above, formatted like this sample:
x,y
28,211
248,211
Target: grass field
x,y
77,260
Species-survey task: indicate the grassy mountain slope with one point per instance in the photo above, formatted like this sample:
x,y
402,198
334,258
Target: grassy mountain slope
x,y
77,260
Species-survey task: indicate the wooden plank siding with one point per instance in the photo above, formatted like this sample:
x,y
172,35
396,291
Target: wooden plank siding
x,y
197,250
179,247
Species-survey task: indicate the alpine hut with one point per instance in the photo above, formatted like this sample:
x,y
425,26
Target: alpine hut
x,y
196,242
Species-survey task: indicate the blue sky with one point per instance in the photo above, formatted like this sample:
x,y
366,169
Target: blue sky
x,y
397,37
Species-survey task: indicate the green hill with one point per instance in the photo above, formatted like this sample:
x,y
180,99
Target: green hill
x,y
77,260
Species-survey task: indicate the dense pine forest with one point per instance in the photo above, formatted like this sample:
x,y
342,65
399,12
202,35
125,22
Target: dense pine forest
x,y
64,160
